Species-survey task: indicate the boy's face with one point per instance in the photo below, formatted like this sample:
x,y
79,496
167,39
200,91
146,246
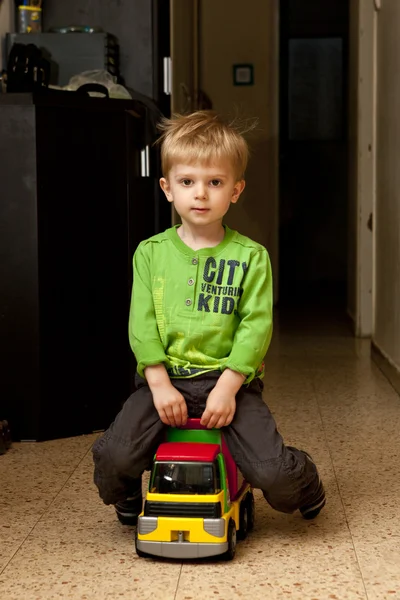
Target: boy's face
x,y
202,194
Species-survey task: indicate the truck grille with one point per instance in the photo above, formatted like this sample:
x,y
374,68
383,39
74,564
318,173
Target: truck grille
x,y
206,510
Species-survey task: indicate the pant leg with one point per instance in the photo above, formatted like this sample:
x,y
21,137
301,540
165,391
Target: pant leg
x,y
127,448
287,479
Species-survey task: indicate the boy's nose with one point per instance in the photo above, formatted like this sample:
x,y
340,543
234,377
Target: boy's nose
x,y
200,191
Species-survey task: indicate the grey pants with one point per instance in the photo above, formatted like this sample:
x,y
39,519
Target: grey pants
x,y
287,479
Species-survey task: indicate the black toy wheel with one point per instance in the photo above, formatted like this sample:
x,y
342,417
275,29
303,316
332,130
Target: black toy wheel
x,y
246,516
244,520
230,553
139,552
251,513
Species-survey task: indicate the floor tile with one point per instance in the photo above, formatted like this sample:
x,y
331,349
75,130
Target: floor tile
x,y
335,576
370,498
31,476
284,556
379,564
67,572
80,550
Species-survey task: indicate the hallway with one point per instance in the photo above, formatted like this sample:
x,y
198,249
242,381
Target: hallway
x,y
58,540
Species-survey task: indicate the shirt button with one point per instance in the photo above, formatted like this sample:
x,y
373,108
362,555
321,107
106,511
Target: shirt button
x,y
195,261
188,302
191,281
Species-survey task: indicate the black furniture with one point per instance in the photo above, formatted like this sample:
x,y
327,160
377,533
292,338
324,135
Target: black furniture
x,y
142,28
79,191
72,53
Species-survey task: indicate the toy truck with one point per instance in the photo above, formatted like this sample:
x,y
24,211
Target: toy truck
x,y
197,504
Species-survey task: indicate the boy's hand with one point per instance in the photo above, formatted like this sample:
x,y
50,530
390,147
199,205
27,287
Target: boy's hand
x,y
221,402
170,405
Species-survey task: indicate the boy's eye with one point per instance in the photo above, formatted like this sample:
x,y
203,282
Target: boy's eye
x,y
215,182
186,182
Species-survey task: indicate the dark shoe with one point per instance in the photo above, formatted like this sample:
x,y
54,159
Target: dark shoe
x,y
128,510
312,510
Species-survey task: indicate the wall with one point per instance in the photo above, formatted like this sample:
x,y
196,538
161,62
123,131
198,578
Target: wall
x,y
184,27
387,256
6,25
247,34
361,165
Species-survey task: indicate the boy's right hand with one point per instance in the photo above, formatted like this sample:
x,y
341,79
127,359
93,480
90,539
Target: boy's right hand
x,y
170,405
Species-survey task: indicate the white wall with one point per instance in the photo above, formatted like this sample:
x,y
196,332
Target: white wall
x,y
6,24
247,32
361,165
387,259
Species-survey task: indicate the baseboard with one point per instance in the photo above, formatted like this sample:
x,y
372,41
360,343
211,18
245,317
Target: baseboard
x,y
391,372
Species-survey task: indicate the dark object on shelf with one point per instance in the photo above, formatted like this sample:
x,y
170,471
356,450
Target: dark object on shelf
x,y
27,70
5,437
93,87
76,29
76,201
72,54
29,19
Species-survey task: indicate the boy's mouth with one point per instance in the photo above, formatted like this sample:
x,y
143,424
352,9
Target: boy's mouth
x,y
200,210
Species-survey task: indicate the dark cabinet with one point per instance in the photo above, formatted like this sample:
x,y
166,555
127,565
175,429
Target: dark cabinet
x,y
74,205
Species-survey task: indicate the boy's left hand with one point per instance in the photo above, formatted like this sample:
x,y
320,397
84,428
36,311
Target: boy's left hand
x,y
220,409
221,402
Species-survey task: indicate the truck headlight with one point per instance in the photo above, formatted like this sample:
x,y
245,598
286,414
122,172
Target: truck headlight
x,y
147,525
214,527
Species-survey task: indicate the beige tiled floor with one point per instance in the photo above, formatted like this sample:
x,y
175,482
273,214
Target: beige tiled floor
x,y
57,540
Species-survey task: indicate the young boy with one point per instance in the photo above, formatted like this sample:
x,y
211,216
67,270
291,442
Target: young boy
x,y
200,325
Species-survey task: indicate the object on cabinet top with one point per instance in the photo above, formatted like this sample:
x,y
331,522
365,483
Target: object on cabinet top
x,y
76,29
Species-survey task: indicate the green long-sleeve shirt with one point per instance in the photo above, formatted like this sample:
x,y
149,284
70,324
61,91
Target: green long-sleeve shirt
x,y
203,310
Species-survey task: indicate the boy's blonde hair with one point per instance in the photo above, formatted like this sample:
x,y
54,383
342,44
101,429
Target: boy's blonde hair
x,y
202,137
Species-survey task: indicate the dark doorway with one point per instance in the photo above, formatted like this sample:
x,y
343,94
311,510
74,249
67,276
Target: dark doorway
x,y
313,151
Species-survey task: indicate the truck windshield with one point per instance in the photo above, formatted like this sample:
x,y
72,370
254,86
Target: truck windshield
x,y
184,478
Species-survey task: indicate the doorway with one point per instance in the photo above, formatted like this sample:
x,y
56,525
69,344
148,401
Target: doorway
x,y
313,171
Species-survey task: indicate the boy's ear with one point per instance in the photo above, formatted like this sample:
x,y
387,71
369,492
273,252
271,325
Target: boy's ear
x,y
166,188
237,190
